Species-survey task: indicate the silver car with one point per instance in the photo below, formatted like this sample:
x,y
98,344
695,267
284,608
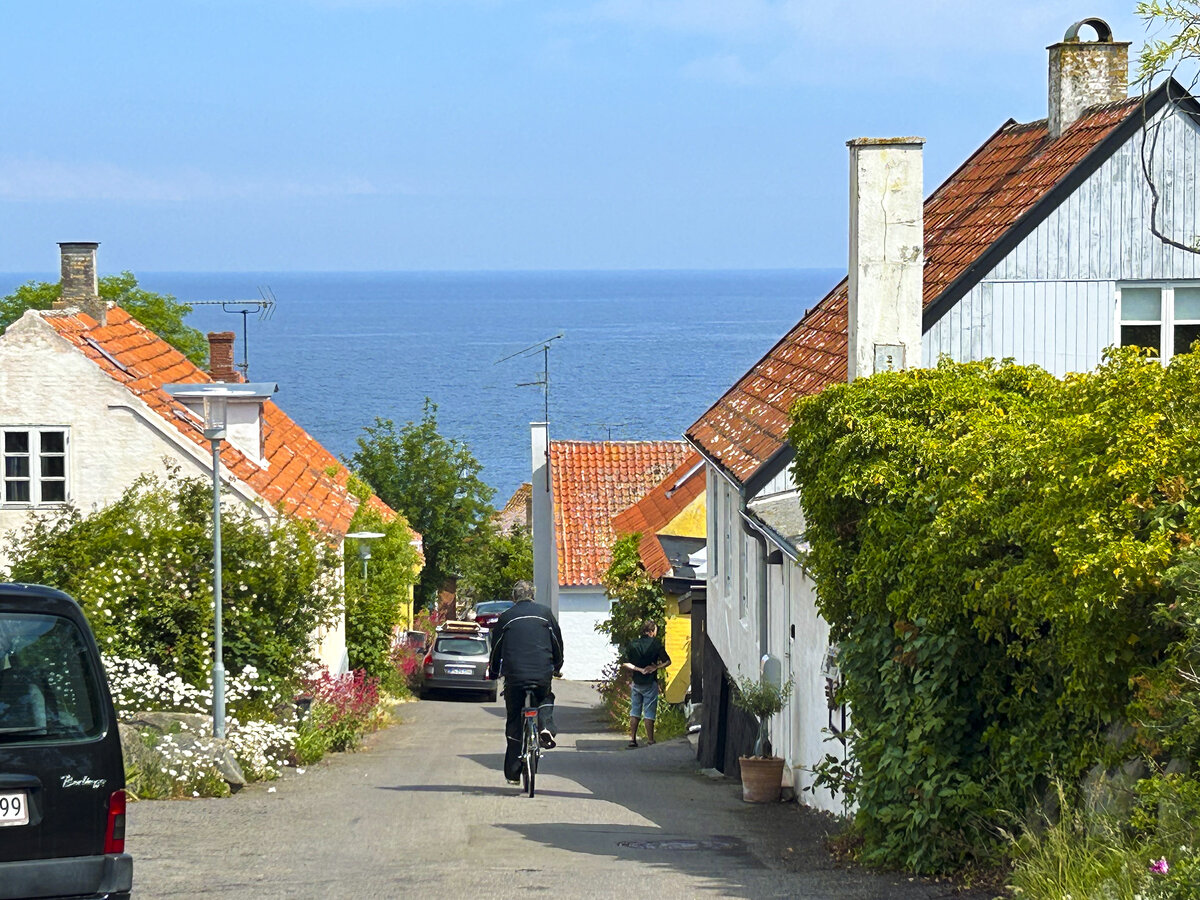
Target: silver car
x,y
458,661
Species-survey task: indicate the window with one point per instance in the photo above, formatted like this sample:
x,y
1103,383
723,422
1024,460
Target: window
x,y
1163,317
48,688
727,559
35,465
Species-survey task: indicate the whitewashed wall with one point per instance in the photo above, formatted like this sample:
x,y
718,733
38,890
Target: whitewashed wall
x,y
114,437
799,638
585,650
732,613
1051,301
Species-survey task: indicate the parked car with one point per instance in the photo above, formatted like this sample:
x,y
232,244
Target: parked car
x,y
488,612
62,779
458,661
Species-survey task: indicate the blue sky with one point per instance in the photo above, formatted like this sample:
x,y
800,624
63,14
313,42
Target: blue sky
x,y
488,134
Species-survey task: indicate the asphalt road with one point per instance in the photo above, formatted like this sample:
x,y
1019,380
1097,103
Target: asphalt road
x,y
424,812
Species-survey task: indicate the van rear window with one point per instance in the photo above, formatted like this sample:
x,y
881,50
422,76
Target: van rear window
x,y
48,684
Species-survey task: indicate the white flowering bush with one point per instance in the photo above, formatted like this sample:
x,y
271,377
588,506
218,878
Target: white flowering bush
x,y
260,746
187,769
141,569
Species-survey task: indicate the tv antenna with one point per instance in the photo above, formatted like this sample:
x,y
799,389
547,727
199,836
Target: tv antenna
x,y
544,381
264,306
609,426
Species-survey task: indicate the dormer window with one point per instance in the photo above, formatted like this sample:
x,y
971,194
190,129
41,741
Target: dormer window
x,y
1163,317
35,465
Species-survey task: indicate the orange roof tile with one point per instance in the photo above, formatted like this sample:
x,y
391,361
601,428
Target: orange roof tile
x,y
299,474
988,200
593,481
656,510
517,510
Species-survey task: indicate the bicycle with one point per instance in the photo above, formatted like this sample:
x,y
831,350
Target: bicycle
x,y
531,748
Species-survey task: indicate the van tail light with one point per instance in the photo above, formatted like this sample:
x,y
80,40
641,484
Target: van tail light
x,y
114,831
428,663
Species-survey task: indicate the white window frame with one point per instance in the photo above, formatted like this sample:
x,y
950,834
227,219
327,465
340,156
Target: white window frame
x,y
1167,320
35,479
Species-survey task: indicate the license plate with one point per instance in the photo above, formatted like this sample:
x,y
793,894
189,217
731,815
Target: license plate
x,y
14,808
459,670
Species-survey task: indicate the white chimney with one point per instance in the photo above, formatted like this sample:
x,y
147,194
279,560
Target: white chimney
x,y
545,547
886,255
1085,73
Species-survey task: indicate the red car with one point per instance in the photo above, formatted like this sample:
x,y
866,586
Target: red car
x,y
488,612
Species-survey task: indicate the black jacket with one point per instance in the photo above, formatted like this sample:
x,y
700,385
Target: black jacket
x,y
527,645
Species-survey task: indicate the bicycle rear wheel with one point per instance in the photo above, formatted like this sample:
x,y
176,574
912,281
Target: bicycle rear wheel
x,y
531,757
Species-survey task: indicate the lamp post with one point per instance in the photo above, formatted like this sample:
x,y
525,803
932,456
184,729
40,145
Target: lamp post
x,y
214,431
364,539
211,401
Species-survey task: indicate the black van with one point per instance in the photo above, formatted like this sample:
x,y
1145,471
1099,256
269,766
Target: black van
x,y
62,779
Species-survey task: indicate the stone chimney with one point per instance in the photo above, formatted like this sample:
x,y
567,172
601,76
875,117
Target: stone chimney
x,y
886,255
1085,73
220,357
80,289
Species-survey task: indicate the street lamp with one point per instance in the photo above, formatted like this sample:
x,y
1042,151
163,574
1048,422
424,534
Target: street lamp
x,y
364,539
214,405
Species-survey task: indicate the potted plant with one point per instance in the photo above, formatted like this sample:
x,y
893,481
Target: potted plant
x,y
762,773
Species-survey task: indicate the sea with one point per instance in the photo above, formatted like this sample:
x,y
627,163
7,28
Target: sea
x,y
620,355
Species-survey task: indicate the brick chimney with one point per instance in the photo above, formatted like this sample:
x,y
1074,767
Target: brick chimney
x,y
1085,73
886,255
80,289
220,357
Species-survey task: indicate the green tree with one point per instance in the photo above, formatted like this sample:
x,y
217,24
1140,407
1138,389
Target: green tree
x,y
374,604
635,595
434,482
1175,40
497,561
161,313
141,568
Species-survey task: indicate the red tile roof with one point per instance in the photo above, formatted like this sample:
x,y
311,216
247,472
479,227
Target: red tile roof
x,y
517,510
655,511
300,475
987,198
593,481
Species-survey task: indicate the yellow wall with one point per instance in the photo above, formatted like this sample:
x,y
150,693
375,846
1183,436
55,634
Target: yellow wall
x,y
692,521
679,647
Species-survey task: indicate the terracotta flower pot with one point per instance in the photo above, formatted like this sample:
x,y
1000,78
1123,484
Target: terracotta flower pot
x,y
762,778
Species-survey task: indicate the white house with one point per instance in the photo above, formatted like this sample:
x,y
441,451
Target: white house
x,y
83,412
1054,240
578,488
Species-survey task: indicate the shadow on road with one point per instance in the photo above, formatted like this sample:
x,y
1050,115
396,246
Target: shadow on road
x,y
499,790
689,819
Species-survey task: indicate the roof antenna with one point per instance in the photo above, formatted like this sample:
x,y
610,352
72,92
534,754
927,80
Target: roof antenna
x,y
264,305
544,381
609,426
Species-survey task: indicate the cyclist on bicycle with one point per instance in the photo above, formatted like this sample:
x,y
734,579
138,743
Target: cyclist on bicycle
x,y
527,649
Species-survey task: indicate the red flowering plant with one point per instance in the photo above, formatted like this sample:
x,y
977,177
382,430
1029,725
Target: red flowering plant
x,y
343,707
408,655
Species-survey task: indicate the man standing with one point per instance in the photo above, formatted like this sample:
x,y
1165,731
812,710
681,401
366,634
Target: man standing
x,y
527,650
644,657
